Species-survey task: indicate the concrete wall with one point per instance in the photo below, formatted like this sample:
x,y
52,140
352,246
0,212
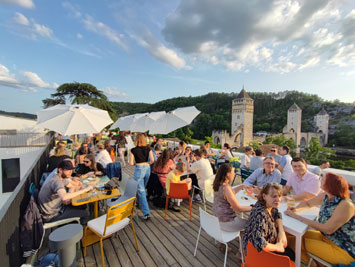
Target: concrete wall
x,y
27,157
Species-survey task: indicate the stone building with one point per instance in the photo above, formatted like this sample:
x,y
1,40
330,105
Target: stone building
x,y
293,128
242,123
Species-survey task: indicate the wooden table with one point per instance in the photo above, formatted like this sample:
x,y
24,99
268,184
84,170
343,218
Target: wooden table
x,y
101,195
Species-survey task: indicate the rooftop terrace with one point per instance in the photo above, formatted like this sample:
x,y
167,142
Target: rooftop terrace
x,y
162,243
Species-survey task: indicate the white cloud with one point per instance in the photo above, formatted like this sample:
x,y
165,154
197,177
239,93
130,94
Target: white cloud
x,y
258,33
79,36
21,3
114,93
33,79
310,63
158,50
29,83
21,19
104,30
30,28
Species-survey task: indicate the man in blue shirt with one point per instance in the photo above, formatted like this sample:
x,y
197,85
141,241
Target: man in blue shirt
x,y
274,153
262,176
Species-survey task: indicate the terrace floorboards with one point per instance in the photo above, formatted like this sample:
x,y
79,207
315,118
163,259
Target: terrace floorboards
x,y
162,242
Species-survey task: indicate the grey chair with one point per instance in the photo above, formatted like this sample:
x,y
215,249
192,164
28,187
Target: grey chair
x,y
130,191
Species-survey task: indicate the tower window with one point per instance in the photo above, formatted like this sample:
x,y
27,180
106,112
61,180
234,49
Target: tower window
x,y
238,117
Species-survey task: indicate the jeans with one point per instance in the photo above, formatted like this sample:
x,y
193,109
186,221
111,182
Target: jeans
x,y
69,211
141,175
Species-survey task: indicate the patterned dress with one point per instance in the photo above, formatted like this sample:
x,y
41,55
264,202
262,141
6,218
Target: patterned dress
x,y
344,237
261,227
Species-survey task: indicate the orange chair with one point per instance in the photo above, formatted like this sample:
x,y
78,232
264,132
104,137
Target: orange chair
x,y
265,258
178,191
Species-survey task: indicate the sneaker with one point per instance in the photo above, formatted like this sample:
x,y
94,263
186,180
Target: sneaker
x,y
197,198
146,217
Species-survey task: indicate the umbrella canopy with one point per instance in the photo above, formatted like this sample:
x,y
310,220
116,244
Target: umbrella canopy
x,y
173,120
125,123
73,119
143,123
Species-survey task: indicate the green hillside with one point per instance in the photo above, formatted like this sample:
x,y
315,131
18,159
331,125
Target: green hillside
x,y
270,113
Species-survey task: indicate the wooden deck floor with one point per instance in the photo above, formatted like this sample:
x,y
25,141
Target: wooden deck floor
x,y
162,243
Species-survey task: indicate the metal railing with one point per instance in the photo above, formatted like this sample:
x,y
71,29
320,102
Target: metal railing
x,y
13,210
24,139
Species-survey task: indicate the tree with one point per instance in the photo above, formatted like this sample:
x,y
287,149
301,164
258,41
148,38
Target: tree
x,y
315,151
80,93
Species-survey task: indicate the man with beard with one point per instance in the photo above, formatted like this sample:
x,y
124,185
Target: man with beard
x,y
53,199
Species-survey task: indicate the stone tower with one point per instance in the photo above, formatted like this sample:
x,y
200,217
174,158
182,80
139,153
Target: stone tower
x,y
322,124
242,117
294,121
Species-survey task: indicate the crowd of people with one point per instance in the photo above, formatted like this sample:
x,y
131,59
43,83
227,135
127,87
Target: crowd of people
x,y
275,178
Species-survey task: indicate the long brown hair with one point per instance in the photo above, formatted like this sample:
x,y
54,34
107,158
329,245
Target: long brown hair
x,y
141,140
221,175
93,165
164,157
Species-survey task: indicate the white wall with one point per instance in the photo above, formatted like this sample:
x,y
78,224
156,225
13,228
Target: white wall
x,y
27,155
19,124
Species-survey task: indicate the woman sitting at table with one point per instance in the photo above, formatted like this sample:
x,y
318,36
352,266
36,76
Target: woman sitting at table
x,y
226,153
81,154
164,165
264,228
225,203
90,167
59,155
334,238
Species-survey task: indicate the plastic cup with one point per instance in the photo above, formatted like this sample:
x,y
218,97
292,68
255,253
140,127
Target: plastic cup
x,y
291,203
249,191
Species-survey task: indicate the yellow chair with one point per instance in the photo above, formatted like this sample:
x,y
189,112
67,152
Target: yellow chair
x,y
117,217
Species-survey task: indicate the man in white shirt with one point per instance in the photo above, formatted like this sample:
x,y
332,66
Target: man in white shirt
x,y
285,164
201,168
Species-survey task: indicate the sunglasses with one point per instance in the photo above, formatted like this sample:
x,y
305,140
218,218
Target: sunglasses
x,y
273,150
86,161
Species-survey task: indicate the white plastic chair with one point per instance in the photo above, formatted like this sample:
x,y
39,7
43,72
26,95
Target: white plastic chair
x,y
313,257
211,225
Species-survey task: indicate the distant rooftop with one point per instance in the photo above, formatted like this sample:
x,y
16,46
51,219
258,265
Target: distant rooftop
x,y
294,107
322,112
243,94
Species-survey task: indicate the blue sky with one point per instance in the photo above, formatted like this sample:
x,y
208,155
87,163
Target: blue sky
x,y
146,51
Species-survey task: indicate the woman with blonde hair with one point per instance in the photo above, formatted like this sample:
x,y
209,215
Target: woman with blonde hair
x,y
59,155
142,156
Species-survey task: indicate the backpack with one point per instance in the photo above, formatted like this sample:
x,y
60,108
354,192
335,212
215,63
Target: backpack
x,y
159,201
50,259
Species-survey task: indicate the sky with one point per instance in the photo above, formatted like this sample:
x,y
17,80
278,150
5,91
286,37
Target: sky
x,y
147,51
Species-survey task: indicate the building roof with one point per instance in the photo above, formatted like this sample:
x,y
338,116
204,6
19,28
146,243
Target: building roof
x,y
294,107
322,112
243,94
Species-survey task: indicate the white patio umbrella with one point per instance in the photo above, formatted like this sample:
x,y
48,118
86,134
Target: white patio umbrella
x,y
173,120
143,123
73,119
125,123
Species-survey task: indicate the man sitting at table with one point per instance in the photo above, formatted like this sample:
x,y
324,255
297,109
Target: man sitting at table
x,y
256,161
305,184
201,168
53,199
262,176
